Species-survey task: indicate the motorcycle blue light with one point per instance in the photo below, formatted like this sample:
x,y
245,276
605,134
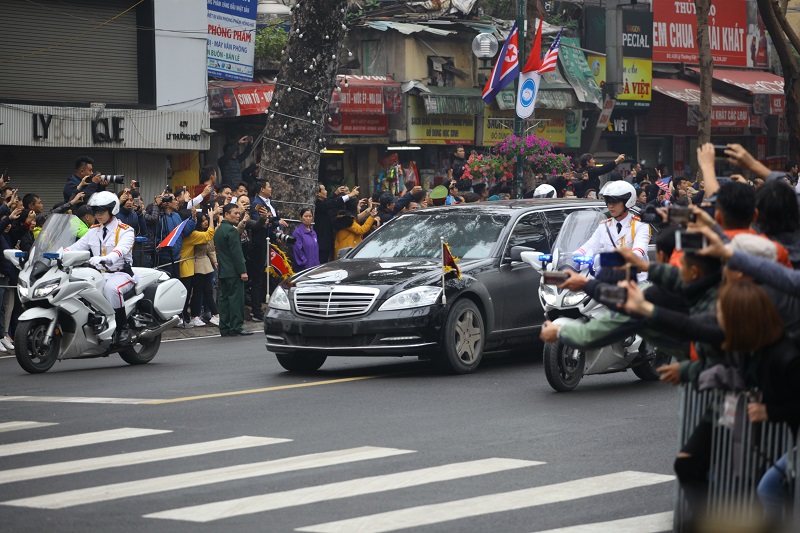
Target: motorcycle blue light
x,y
50,255
141,239
19,254
545,257
583,259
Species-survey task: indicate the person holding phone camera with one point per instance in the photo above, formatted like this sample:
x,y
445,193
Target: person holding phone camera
x,y
234,154
623,228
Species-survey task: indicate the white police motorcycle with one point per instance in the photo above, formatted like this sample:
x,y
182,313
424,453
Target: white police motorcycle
x,y
65,313
565,366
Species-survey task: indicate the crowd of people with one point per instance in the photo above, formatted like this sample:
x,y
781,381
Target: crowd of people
x,y
726,307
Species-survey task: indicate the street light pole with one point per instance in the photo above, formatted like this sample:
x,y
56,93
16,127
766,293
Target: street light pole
x,y
613,84
519,125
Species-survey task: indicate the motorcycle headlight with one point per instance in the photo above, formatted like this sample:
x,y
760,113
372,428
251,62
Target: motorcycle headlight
x,y
549,294
279,299
408,299
44,291
23,291
574,298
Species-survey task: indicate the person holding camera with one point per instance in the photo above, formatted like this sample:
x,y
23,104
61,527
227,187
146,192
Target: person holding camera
x,y
589,174
83,179
230,164
127,212
165,209
324,209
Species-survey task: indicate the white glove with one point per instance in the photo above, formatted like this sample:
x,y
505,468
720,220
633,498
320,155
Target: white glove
x,y
97,261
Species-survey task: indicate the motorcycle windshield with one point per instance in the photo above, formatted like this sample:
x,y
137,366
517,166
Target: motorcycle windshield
x,y
59,231
576,230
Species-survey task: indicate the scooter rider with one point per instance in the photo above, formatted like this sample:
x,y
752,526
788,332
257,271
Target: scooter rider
x,y
110,243
623,229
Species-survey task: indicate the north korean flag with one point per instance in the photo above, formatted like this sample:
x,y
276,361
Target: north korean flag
x,y
506,69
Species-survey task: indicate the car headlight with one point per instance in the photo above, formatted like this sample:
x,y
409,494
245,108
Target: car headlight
x,y
23,291
574,298
279,299
46,290
549,294
408,299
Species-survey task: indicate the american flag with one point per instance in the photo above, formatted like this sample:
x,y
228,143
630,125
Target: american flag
x,y
551,57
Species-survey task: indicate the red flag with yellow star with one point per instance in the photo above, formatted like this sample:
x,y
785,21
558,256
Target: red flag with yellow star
x,y
449,261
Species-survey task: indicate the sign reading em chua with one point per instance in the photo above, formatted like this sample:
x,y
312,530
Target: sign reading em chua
x,y
438,129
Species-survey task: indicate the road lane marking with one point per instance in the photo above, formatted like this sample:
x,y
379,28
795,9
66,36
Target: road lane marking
x,y
492,503
75,399
14,426
652,523
343,489
134,458
82,439
255,391
61,500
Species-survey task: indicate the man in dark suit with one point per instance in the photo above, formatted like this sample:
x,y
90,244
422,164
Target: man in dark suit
x,y
324,210
261,206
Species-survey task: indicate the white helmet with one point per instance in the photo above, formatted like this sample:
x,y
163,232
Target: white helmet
x,y
545,191
619,191
106,200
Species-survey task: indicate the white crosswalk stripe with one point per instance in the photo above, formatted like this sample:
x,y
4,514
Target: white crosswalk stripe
x,y
651,523
103,493
15,426
343,489
493,503
82,439
134,458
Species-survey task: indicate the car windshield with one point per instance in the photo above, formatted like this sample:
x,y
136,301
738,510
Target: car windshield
x,y
576,230
59,231
469,235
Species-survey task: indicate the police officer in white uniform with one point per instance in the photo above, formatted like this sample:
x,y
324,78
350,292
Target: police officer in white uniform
x,y
623,229
111,243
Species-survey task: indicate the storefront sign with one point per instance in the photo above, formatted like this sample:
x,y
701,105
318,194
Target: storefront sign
x,y
573,118
347,124
738,37
679,156
577,71
637,78
553,128
438,129
497,125
82,127
231,38
637,32
722,117
761,148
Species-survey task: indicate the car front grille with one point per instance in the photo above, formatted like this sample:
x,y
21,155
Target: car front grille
x,y
333,302
355,341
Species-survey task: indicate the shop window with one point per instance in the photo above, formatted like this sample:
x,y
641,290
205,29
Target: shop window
x,y
374,54
440,72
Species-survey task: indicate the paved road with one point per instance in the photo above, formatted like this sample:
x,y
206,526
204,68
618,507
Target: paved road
x,y
214,436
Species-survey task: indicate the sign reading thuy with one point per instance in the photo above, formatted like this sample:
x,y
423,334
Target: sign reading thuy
x,y
231,38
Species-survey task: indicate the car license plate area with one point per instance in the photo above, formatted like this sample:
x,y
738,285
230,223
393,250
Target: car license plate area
x,y
326,330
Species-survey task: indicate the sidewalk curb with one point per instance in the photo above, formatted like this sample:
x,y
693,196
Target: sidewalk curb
x,y
207,331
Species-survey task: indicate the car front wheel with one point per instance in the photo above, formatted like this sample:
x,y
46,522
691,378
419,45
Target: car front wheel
x,y
462,347
300,361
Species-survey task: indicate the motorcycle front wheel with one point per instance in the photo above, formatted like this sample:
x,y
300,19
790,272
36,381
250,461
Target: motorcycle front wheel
x,y
141,353
32,354
563,366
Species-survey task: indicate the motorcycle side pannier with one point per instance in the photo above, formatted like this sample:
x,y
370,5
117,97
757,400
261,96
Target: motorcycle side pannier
x,y
169,298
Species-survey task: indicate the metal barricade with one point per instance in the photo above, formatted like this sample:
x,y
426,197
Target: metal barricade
x,y
740,456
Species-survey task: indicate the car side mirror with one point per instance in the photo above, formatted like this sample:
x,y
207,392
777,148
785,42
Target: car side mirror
x,y
516,252
343,252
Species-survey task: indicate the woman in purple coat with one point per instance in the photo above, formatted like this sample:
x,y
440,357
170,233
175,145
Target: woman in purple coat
x,y
306,248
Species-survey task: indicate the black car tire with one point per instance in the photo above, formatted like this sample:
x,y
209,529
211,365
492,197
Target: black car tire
x,y
32,356
301,361
562,375
463,338
646,370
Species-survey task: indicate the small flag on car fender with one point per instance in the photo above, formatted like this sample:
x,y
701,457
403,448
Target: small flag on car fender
x,y
278,265
449,261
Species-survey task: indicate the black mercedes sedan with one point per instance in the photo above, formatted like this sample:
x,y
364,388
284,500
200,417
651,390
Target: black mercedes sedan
x,y
388,297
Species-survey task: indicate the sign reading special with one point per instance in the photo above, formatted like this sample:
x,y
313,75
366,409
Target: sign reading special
x,y
738,36
231,38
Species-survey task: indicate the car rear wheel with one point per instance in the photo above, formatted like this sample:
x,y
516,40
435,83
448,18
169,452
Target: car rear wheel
x,y
462,347
301,361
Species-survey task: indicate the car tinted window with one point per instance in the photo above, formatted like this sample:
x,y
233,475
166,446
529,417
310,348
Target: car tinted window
x,y
530,232
470,236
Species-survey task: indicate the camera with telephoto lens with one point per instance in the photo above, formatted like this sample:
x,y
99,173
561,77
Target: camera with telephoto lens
x,y
284,238
113,178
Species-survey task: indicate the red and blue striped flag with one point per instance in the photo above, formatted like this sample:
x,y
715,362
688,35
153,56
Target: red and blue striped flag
x,y
173,236
506,69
